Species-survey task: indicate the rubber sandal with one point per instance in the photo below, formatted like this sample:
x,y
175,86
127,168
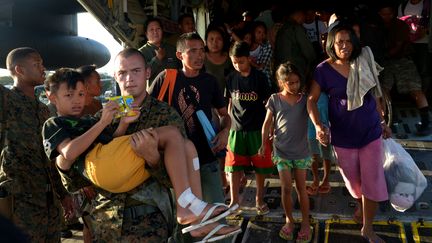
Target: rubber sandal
x,y
311,190
263,209
324,189
286,232
207,220
304,237
209,237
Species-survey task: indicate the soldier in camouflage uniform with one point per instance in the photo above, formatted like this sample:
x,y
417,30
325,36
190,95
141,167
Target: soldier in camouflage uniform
x,y
123,217
25,171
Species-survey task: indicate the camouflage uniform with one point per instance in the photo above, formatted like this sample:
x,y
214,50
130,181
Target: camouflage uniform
x,y
144,214
26,173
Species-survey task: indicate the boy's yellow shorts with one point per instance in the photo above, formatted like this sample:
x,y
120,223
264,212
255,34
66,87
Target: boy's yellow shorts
x,y
115,167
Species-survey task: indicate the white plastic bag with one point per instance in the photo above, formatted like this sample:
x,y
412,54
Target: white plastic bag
x,y
405,182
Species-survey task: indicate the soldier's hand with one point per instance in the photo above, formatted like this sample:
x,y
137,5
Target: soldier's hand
x,y
68,207
145,144
89,192
130,119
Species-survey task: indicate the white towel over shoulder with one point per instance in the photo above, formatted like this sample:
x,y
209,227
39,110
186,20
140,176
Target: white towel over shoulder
x,y
363,76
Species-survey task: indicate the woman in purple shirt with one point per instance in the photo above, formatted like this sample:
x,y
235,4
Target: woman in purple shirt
x,y
356,134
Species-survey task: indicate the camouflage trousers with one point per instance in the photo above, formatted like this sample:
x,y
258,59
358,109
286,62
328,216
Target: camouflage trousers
x,y
150,228
40,224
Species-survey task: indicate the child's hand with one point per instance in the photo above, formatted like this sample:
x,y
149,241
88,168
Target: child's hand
x,y
262,150
322,134
108,112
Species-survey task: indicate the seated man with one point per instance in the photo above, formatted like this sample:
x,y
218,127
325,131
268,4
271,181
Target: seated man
x,y
399,68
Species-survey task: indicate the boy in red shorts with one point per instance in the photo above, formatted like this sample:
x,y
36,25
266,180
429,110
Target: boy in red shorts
x,y
247,90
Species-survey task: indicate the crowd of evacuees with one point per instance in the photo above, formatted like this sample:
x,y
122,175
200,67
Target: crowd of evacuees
x,y
281,92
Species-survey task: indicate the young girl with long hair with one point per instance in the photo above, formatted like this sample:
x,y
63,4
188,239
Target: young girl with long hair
x,y
287,114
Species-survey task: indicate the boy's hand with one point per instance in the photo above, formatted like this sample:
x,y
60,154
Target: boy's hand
x,y
108,112
262,150
220,141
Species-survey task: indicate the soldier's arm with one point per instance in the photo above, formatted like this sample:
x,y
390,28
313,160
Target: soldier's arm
x,y
174,119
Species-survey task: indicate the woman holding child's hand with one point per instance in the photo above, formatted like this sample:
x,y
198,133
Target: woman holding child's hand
x,y
356,133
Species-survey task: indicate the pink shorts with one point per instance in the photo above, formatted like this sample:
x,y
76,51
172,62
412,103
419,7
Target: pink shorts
x,y
362,170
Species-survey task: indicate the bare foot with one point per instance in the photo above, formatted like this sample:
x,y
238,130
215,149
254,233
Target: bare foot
x,y
371,237
358,215
324,187
312,189
185,216
203,231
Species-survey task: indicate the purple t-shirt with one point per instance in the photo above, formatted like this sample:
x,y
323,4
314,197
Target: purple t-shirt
x,y
349,129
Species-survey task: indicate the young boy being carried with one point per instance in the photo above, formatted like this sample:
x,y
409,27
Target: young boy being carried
x,y
112,164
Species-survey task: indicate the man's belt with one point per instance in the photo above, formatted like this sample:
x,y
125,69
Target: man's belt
x,y
137,211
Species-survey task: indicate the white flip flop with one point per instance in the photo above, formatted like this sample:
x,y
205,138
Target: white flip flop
x,y
209,238
207,220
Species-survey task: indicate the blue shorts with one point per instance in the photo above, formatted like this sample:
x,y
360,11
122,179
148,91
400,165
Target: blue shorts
x,y
325,152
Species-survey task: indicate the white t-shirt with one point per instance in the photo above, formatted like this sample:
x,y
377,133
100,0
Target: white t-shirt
x,y
255,53
311,30
413,9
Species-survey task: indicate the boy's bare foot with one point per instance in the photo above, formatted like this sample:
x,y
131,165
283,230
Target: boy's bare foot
x,y
203,231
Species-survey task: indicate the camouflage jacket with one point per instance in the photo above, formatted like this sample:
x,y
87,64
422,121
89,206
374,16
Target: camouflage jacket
x,y
107,212
25,171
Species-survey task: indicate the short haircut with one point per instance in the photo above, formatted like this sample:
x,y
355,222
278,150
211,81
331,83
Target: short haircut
x,y
63,75
86,70
129,51
239,49
151,20
331,38
184,16
17,55
181,42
